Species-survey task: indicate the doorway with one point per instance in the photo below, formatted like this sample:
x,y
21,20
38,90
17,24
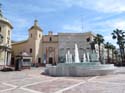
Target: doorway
x,y
12,61
50,60
39,60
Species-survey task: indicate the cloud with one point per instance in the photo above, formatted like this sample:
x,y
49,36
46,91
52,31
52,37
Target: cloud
x,y
112,24
101,27
20,24
19,36
72,28
38,9
120,24
106,6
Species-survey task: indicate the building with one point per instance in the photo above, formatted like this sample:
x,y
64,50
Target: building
x,y
5,40
67,42
50,48
31,46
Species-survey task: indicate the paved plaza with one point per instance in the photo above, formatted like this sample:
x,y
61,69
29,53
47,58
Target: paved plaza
x,y
32,81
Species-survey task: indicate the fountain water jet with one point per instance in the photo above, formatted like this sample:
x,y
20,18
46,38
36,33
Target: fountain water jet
x,y
68,57
84,57
77,68
77,60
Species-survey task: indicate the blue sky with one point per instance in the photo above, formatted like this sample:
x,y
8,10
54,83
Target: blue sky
x,y
98,16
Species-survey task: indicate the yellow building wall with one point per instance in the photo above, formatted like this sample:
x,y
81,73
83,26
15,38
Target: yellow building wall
x,y
6,33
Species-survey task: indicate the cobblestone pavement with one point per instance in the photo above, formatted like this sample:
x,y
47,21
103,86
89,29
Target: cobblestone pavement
x,y
32,81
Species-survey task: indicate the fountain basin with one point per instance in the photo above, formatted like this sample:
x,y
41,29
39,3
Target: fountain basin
x,y
80,69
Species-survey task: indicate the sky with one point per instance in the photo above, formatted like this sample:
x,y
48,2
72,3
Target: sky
x,y
77,16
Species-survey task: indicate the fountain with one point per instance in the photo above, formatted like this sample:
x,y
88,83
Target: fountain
x,y
76,54
89,67
84,57
68,57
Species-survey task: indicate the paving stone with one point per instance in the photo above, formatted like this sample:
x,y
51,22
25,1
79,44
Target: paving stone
x,y
53,86
120,78
28,81
4,87
94,87
78,78
16,91
32,79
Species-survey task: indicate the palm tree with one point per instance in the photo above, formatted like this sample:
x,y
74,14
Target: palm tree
x,y
99,40
108,46
120,35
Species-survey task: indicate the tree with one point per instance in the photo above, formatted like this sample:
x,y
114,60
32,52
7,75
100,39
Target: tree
x,y
119,35
99,40
108,46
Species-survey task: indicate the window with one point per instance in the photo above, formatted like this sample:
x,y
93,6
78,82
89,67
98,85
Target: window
x,y
39,35
39,60
68,49
31,35
88,39
30,50
8,40
80,48
26,60
62,49
8,32
50,39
